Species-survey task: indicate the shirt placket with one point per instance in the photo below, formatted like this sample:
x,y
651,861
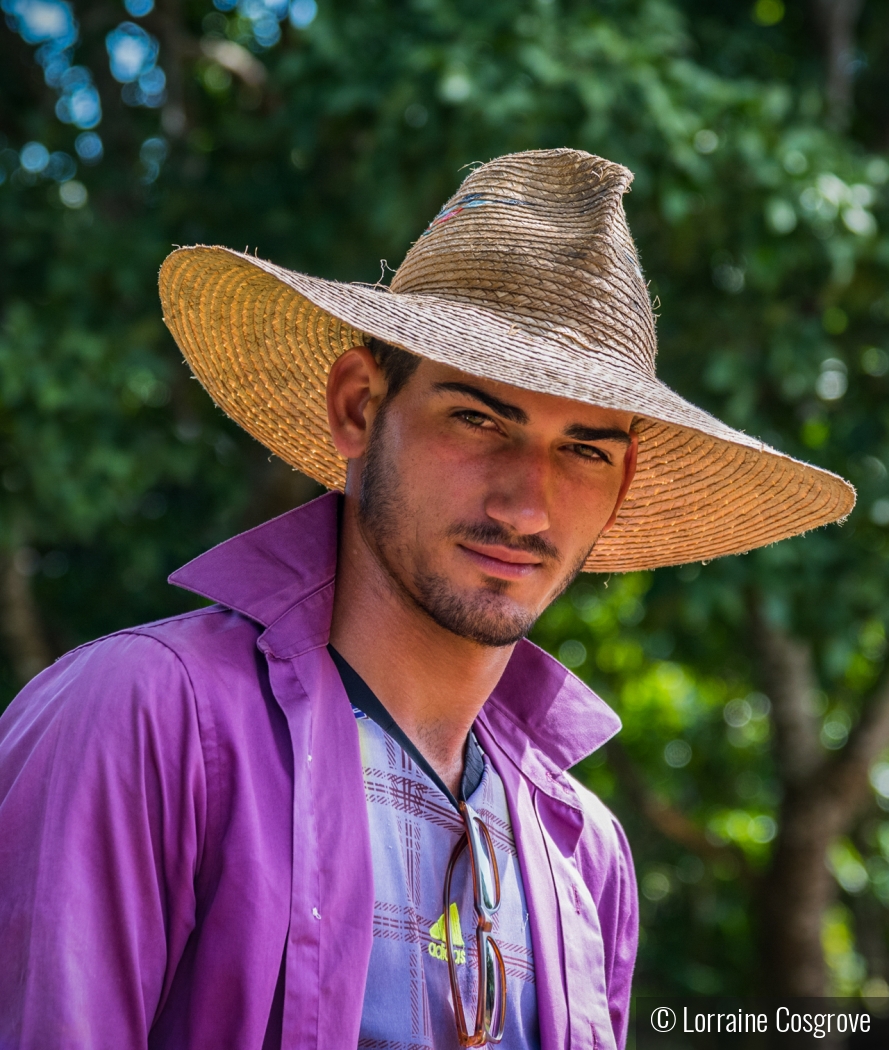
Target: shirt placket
x,y
331,916
303,946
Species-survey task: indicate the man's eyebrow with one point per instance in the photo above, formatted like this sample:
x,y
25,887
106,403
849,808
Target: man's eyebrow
x,y
582,433
518,415
511,412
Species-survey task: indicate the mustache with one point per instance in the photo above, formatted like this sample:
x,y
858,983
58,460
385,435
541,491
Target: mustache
x,y
491,533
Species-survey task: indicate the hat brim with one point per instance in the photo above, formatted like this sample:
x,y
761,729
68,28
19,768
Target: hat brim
x,y
261,339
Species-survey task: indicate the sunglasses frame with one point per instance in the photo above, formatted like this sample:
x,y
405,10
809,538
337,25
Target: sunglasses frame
x,y
488,1027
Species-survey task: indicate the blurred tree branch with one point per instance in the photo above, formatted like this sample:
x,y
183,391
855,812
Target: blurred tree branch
x,y
846,778
666,818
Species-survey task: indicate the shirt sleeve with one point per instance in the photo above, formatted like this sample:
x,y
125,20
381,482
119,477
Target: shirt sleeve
x,y
102,816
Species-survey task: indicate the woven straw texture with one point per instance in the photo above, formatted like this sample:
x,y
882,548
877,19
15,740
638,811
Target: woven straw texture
x,y
528,276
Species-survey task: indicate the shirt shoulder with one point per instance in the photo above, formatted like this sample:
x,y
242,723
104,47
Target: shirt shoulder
x,y
209,641
604,852
153,672
214,636
92,695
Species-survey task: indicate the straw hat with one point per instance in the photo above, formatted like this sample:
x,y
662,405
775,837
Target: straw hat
x,y
528,276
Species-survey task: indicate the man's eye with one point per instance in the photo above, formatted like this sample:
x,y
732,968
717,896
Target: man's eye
x,y
590,452
474,419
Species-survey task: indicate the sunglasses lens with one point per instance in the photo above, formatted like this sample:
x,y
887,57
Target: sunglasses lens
x,y
495,997
482,853
488,883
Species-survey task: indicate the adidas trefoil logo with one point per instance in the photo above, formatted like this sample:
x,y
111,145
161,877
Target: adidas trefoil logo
x,y
438,945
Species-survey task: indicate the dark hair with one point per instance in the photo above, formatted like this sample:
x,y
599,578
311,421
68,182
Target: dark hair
x,y
397,365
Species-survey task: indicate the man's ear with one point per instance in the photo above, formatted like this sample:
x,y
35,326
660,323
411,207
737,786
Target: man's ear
x,y
630,457
355,387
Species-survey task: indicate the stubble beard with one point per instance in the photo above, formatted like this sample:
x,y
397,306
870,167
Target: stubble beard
x,y
383,512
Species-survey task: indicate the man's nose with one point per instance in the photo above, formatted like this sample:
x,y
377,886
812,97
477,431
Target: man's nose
x,y
519,492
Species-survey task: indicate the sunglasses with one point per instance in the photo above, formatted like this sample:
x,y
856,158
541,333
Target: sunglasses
x,y
490,1012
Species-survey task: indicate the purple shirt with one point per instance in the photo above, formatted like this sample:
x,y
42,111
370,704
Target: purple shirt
x,y
183,819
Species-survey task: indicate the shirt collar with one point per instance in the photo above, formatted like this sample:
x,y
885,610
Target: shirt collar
x,y
280,574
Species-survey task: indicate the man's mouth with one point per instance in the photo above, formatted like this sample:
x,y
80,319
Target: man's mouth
x,y
506,563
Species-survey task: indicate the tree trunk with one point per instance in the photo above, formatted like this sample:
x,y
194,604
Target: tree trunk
x,y
29,652
794,897
798,887
836,20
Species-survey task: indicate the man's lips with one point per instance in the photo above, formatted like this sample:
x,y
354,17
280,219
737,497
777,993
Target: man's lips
x,y
505,562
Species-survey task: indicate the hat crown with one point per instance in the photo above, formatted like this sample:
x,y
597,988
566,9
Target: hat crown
x,y
542,238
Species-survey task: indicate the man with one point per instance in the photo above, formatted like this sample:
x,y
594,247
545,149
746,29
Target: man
x,y
333,808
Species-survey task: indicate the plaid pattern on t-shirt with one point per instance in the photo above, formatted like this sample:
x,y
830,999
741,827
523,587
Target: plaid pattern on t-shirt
x,y
413,830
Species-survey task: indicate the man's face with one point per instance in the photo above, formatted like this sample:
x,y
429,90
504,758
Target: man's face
x,y
482,501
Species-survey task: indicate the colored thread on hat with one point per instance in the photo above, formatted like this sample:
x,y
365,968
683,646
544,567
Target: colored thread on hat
x,y
471,200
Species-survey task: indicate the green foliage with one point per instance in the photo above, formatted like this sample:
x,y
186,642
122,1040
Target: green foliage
x,y
763,234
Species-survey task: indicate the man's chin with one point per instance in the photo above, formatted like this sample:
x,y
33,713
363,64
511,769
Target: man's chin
x,y
486,617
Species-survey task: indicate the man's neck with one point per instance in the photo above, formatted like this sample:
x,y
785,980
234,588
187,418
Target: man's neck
x,y
431,681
